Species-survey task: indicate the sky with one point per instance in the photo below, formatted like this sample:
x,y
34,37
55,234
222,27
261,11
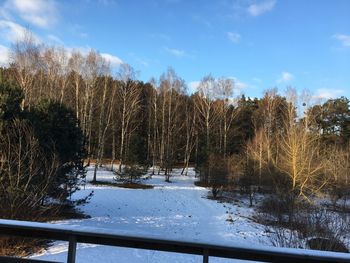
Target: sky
x,y
261,44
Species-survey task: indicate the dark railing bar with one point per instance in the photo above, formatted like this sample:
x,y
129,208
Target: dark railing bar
x,y
72,249
49,231
205,256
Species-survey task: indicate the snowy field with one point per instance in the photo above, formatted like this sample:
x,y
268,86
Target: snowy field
x,y
178,210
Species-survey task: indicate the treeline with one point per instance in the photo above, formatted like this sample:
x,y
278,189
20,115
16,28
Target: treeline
x,y
126,120
276,142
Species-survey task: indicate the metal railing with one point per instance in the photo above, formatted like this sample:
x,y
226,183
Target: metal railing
x,y
57,232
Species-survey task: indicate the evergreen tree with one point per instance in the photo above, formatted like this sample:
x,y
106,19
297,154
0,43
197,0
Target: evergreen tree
x,y
57,130
10,99
332,120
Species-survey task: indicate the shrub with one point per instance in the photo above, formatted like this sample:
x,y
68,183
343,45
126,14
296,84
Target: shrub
x,y
132,172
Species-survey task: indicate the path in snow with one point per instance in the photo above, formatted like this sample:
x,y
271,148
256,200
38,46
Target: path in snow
x,y
177,210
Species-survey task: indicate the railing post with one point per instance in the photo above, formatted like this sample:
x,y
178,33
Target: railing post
x,y
205,256
72,249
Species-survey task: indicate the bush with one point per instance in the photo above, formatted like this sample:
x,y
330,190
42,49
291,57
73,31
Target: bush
x,y
216,172
272,210
327,244
132,172
298,224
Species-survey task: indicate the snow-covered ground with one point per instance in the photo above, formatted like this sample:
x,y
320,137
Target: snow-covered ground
x,y
178,210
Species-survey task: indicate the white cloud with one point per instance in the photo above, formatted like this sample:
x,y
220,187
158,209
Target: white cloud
x,y
175,52
285,77
343,39
327,93
261,7
113,60
234,37
13,32
4,55
41,13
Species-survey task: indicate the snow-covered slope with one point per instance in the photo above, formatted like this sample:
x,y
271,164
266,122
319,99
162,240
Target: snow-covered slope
x,y
177,210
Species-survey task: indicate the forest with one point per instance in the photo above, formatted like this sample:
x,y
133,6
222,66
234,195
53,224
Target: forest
x,y
61,110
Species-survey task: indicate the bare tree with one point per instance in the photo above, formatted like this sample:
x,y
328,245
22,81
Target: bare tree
x,y
204,102
105,119
299,153
94,68
225,92
63,73
26,172
75,64
25,59
50,68
205,106
190,126
154,114
129,101
257,150
171,88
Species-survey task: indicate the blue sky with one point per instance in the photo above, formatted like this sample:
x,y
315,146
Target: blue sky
x,y
261,44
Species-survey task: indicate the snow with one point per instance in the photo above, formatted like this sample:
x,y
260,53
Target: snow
x,y
178,211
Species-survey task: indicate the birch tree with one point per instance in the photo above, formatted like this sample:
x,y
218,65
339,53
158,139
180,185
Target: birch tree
x,y
75,63
94,68
191,129
225,91
129,101
299,154
26,58
105,118
207,114
155,133
204,103
171,88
